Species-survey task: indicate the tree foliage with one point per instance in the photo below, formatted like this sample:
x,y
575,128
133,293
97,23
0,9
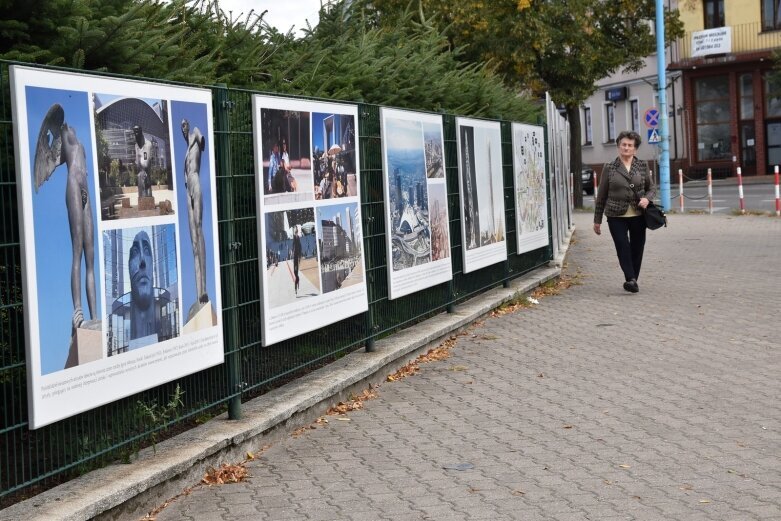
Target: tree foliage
x,y
564,48
410,64
347,56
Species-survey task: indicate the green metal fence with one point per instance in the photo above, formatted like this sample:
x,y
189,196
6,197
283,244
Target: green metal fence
x,y
31,460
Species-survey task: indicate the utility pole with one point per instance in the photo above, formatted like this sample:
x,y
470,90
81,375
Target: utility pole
x,y
661,65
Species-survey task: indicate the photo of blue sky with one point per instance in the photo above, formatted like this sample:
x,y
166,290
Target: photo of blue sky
x,y
195,113
52,233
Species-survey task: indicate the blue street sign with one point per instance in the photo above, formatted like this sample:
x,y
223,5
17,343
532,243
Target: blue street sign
x,y
653,136
652,117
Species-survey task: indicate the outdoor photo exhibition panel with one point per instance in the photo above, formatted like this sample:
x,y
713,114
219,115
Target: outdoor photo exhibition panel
x,y
480,190
416,214
312,268
119,221
531,202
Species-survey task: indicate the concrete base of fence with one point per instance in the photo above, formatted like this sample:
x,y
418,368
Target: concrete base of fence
x,y
129,491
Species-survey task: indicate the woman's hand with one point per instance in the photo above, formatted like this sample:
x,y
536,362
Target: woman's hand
x,y
598,228
643,203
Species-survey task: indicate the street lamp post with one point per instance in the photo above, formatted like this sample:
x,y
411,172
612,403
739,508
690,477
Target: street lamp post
x,y
661,65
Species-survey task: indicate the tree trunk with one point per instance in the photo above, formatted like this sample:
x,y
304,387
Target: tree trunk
x,y
575,159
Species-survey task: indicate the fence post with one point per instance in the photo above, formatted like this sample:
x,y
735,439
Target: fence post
x,y
740,191
680,188
222,133
710,192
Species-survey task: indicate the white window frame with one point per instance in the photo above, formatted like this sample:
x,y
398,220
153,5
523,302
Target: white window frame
x,y
608,108
588,126
634,124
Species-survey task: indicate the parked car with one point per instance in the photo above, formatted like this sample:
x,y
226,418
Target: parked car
x,y
587,180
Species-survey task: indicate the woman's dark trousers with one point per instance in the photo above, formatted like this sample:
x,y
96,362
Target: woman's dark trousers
x,y
629,237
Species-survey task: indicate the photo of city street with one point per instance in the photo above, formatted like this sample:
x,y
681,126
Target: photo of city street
x,y
284,145
333,155
340,238
292,272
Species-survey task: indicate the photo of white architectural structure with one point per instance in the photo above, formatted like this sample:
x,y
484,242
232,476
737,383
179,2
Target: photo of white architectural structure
x,y
482,201
414,170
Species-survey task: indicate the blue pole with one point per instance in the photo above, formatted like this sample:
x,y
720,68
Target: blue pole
x,y
661,65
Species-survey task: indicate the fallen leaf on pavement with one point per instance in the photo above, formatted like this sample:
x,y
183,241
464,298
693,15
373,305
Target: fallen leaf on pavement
x,y
225,474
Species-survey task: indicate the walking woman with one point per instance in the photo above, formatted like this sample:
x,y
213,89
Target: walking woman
x,y
625,188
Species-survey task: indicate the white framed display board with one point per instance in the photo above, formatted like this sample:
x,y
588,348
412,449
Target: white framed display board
x,y
416,213
482,199
312,264
531,194
116,181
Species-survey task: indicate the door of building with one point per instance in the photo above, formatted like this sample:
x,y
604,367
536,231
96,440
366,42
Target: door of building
x,y
748,153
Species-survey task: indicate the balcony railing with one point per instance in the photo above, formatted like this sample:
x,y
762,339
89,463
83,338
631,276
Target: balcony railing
x,y
745,38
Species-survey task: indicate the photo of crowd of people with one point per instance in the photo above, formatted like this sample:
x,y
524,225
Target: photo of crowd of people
x,y
287,169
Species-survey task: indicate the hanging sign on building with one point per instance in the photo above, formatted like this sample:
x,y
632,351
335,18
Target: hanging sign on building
x,y
712,41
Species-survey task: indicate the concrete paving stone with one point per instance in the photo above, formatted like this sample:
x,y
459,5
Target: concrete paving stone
x,y
282,513
682,402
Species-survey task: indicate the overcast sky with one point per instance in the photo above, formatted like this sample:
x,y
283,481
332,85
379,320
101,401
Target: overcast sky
x,y
281,14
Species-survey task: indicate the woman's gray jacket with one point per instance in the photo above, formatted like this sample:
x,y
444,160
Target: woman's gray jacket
x,y
618,189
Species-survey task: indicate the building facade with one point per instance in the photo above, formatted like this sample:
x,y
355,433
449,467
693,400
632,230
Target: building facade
x,y
621,102
732,105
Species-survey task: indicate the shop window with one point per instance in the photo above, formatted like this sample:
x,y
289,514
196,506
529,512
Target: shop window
x,y
712,118
714,13
587,125
772,97
771,15
746,87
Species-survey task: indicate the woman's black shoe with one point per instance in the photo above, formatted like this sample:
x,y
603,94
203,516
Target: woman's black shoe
x,y
631,286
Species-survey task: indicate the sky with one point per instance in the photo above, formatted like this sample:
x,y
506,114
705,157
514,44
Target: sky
x,y
281,15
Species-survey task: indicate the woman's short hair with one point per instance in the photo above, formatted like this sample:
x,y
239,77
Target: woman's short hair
x,y
629,134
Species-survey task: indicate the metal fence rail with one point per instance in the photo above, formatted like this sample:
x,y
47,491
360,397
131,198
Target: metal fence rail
x,y
34,459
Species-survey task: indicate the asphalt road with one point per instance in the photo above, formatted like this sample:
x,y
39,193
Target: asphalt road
x,y
757,198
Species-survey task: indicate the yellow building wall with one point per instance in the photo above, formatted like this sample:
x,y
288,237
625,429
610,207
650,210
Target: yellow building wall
x,y
743,16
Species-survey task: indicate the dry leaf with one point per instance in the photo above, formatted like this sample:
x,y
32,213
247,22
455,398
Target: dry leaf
x,y
225,474
625,466
567,427
250,456
518,493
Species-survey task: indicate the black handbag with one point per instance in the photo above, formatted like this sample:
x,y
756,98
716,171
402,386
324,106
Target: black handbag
x,y
654,217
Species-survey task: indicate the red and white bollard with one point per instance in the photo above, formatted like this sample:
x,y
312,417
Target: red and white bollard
x,y
778,195
596,186
680,189
710,192
740,191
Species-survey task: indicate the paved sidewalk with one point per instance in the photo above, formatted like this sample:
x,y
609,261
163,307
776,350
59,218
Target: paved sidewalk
x,y
595,404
